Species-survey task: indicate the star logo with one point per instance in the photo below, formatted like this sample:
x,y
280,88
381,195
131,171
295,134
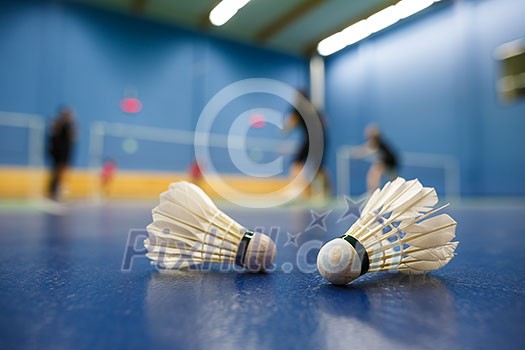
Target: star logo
x,y
292,239
350,205
318,220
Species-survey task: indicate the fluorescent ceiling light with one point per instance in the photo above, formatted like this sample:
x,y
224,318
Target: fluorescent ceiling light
x,y
375,23
407,8
331,44
339,41
382,19
225,10
356,32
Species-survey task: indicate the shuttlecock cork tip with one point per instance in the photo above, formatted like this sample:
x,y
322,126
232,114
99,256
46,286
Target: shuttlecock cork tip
x,y
342,260
256,252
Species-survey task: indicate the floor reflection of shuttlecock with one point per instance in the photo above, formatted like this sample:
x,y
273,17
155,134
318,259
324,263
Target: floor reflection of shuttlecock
x,y
199,310
388,312
189,230
396,231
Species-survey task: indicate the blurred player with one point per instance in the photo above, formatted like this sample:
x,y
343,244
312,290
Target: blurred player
x,y
195,172
297,121
107,174
386,161
60,148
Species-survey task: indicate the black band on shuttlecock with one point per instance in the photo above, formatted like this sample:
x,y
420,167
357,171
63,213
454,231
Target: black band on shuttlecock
x,y
241,252
361,252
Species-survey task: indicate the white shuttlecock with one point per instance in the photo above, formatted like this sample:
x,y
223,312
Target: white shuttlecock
x,y
396,232
189,230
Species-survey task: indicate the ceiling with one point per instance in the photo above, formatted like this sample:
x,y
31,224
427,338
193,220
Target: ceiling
x,y
293,26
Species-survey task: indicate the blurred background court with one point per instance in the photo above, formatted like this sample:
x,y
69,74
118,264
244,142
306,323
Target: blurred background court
x,y
446,87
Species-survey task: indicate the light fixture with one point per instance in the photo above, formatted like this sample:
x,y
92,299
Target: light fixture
x,y
225,10
407,8
383,19
375,23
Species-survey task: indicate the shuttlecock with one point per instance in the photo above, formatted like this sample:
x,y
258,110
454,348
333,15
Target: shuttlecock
x,y
189,230
396,231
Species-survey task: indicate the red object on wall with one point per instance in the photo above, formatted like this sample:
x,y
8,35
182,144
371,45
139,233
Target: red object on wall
x,y
195,170
131,105
257,121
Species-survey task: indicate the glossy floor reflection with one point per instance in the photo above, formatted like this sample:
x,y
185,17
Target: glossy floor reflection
x,y
63,287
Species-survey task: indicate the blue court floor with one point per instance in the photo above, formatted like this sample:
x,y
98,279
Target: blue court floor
x,y
72,281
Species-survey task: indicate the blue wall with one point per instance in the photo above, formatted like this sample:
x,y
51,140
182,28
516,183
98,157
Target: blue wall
x,y
54,53
430,83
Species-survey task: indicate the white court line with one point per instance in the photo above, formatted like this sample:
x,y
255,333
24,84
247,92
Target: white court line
x,y
36,140
448,163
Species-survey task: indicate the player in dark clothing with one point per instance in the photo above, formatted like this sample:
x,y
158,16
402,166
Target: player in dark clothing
x,y
386,159
60,147
386,155
297,121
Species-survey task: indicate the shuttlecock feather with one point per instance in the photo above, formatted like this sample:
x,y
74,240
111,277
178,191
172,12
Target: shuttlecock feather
x,y
188,230
396,231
